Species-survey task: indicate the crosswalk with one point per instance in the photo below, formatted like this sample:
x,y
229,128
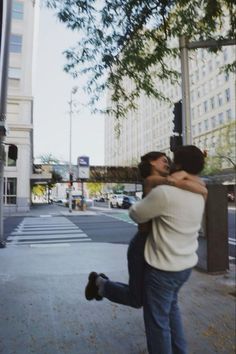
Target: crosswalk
x,y
46,230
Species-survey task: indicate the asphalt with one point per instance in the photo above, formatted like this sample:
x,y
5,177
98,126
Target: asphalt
x,y
43,309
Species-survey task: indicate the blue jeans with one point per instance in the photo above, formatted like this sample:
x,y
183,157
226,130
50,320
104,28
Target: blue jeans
x,y
164,329
130,294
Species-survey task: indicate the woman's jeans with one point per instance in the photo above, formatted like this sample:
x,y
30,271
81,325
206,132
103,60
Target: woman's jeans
x,y
162,318
130,294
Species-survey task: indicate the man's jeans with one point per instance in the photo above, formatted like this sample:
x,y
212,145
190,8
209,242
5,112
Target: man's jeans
x,y
130,294
162,318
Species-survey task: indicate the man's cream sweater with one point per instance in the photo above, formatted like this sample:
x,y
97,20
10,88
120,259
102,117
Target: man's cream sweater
x,y
176,219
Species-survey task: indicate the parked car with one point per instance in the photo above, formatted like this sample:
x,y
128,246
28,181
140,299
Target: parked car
x,y
100,199
116,200
128,201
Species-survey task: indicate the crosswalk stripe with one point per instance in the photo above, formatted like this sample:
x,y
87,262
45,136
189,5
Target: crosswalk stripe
x,y
46,231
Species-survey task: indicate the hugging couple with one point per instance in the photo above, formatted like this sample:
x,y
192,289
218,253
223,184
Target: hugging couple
x,y
163,252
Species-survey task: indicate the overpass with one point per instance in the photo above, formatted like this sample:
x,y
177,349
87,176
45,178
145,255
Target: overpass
x,y
98,174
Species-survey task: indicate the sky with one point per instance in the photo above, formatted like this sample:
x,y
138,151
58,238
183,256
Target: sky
x,y
51,89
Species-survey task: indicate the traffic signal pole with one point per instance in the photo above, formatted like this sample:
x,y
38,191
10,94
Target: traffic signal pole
x,y
186,110
184,46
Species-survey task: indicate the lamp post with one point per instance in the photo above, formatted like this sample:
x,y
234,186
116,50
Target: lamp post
x,y
73,91
5,30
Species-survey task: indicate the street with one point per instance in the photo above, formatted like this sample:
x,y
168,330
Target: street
x,y
104,225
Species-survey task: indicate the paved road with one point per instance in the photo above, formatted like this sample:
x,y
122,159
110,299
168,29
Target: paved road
x,y
104,225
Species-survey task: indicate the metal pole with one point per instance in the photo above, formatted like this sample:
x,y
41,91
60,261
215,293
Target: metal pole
x,y
186,112
73,91
5,30
70,148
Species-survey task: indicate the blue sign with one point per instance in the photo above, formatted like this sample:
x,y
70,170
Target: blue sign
x,y
83,161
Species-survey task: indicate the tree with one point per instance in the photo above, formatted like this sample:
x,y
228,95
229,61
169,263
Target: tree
x,y
48,159
94,188
121,39
118,188
224,154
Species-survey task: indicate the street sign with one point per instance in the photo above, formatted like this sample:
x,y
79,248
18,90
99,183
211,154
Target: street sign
x,y
83,167
83,161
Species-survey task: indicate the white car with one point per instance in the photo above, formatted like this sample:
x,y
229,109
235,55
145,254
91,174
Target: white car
x,y
116,200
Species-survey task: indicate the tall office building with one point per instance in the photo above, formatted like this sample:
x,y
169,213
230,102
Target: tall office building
x,y
150,126
19,118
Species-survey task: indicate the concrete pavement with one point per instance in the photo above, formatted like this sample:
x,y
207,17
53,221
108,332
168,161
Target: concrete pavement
x,y
43,309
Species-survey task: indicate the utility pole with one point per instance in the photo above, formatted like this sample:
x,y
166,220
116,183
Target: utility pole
x,y
184,46
5,30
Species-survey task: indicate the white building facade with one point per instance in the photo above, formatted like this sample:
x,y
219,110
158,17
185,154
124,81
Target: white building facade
x,y
19,118
150,126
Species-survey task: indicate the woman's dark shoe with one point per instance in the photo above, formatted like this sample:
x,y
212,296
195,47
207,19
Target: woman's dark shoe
x,y
91,290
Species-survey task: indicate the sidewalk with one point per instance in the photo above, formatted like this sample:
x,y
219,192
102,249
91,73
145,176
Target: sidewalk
x,y
43,309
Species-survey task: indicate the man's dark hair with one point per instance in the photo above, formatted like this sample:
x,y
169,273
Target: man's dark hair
x,y
144,166
189,158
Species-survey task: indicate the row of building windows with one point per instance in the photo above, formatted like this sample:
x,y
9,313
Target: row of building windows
x,y
213,103
212,84
213,122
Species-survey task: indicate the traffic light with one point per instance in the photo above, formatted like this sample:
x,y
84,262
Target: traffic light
x,y
175,141
178,127
71,180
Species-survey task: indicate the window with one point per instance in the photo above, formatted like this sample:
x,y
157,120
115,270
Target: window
x,y
210,67
192,113
9,191
226,77
221,118
211,84
213,122
11,155
199,110
227,94
15,43
203,71
206,124
200,127
212,102
205,106
197,75
14,73
229,114
17,10
220,99
225,54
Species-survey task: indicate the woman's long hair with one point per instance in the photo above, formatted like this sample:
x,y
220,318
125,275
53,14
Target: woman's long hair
x,y
144,167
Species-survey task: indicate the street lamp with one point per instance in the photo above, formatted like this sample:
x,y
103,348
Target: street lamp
x,y
73,92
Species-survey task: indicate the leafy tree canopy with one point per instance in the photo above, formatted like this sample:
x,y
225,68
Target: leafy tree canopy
x,y
48,159
131,38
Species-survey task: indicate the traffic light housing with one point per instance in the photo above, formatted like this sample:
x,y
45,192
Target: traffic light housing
x,y
178,126
175,141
